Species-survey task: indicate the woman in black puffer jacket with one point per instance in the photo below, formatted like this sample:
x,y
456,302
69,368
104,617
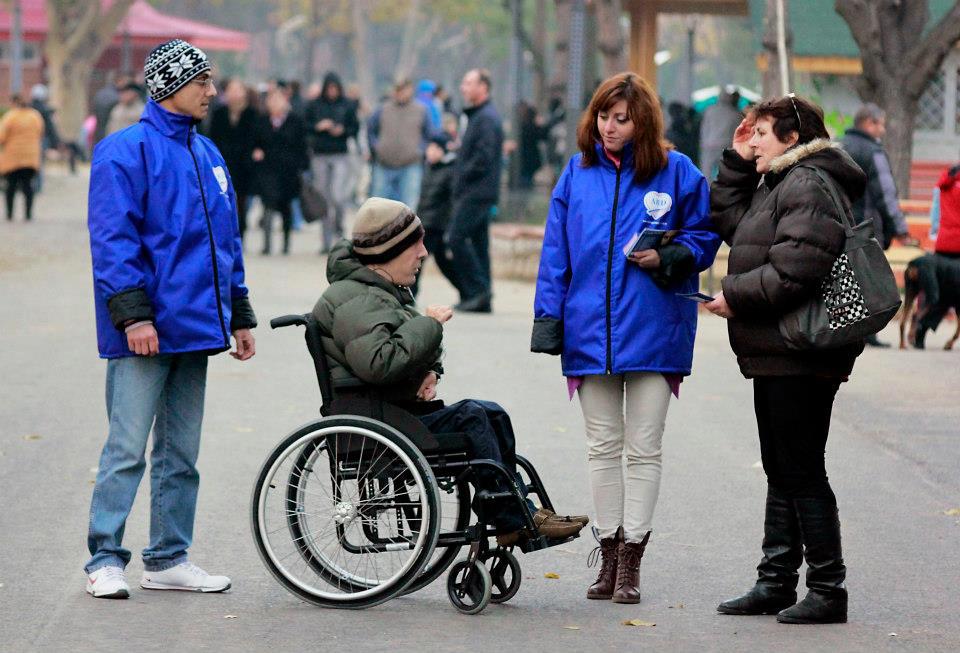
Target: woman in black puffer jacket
x,y
785,236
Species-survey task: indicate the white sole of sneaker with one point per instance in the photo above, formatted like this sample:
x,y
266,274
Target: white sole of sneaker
x,y
148,585
119,594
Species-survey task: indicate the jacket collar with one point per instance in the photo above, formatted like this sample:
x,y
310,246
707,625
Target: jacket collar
x,y
859,133
795,154
343,264
475,108
171,125
626,157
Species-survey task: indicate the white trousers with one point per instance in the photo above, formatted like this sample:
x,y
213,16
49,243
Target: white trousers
x,y
624,415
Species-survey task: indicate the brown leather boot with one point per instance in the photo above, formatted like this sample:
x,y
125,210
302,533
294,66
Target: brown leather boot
x,y
628,571
606,579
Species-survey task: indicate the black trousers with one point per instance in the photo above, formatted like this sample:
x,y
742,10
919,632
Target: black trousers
x,y
793,420
22,179
490,432
433,241
468,238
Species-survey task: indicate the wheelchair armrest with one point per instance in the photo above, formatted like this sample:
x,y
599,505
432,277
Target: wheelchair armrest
x,y
288,320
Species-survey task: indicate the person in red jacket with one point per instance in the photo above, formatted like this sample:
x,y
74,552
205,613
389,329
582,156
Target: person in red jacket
x,y
948,234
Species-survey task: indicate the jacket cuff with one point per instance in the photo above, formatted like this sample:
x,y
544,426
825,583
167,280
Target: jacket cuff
x,y
130,305
547,336
241,314
677,264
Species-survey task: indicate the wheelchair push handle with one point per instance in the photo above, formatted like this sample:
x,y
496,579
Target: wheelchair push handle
x,y
288,320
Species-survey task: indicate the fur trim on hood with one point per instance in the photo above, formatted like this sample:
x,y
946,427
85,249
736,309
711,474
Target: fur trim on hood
x,y
795,154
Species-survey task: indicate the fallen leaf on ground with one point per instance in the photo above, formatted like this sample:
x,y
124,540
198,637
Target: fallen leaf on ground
x,y
953,512
565,627
892,635
757,465
244,429
94,470
560,429
639,622
550,574
33,436
229,616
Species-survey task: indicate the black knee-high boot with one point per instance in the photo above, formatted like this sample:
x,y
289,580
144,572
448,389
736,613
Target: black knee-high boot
x,y
776,586
826,600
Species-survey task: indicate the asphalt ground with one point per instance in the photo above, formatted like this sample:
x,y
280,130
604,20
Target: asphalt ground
x,y
892,456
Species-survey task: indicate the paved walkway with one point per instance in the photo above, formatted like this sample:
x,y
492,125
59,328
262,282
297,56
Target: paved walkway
x,y
893,458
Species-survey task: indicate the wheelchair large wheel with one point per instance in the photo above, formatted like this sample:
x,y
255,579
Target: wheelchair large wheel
x,y
454,516
345,512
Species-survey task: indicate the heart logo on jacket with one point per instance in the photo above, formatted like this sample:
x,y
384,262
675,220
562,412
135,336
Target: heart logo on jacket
x,y
221,176
657,204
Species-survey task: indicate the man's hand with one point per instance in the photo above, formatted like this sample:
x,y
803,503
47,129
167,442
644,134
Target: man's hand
x,y
257,155
324,125
428,389
440,313
907,240
648,258
246,346
719,306
143,340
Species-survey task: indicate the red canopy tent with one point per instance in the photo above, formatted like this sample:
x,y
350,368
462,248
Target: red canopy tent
x,y
144,26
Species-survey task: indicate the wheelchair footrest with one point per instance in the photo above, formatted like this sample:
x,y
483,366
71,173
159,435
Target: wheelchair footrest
x,y
543,542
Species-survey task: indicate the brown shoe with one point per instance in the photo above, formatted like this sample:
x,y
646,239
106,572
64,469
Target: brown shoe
x,y
629,555
552,526
583,519
512,538
603,587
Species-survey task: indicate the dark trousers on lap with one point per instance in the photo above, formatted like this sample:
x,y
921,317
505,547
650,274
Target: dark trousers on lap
x,y
468,238
490,432
793,419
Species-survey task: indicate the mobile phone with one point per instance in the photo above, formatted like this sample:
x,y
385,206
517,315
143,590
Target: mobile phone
x,y
698,297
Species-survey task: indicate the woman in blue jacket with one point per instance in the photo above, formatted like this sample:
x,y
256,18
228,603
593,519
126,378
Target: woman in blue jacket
x,y
624,334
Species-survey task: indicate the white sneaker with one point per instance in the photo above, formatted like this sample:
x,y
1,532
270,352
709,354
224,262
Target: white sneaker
x,y
185,576
108,583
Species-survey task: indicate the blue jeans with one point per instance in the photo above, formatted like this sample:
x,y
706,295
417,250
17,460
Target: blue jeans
x,y
165,392
400,184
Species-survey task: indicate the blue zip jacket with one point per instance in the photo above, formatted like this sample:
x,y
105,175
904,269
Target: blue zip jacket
x,y
164,238
601,312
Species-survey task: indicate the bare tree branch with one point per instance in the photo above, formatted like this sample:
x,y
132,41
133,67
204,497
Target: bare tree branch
x,y
928,55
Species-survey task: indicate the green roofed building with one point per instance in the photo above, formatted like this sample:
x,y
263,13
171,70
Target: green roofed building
x,y
826,63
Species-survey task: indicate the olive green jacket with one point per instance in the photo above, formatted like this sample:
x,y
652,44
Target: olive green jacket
x,y
371,330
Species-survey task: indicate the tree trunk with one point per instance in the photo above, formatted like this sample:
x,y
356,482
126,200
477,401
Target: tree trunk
x,y
561,48
540,48
78,33
361,54
610,40
898,65
772,84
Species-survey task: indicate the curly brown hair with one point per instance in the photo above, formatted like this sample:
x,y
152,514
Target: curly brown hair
x,y
643,108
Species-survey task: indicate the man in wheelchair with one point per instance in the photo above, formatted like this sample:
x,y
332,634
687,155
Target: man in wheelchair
x,y
373,336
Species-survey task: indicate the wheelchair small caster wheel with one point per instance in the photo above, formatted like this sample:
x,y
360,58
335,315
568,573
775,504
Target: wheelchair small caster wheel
x,y
505,573
469,586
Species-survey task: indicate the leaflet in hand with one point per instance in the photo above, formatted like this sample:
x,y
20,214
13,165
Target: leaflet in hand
x,y
646,239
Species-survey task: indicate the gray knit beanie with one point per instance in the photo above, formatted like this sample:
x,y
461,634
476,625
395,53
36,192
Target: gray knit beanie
x,y
171,65
383,229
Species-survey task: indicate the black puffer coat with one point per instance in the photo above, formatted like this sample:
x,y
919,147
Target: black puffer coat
x,y
784,236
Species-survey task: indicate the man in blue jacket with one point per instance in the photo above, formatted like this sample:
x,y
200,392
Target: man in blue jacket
x,y
476,187
169,290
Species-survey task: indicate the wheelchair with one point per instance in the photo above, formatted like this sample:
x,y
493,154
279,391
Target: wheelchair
x,y
365,504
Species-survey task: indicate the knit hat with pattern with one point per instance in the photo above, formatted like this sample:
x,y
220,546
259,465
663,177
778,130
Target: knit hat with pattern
x,y
171,65
383,229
